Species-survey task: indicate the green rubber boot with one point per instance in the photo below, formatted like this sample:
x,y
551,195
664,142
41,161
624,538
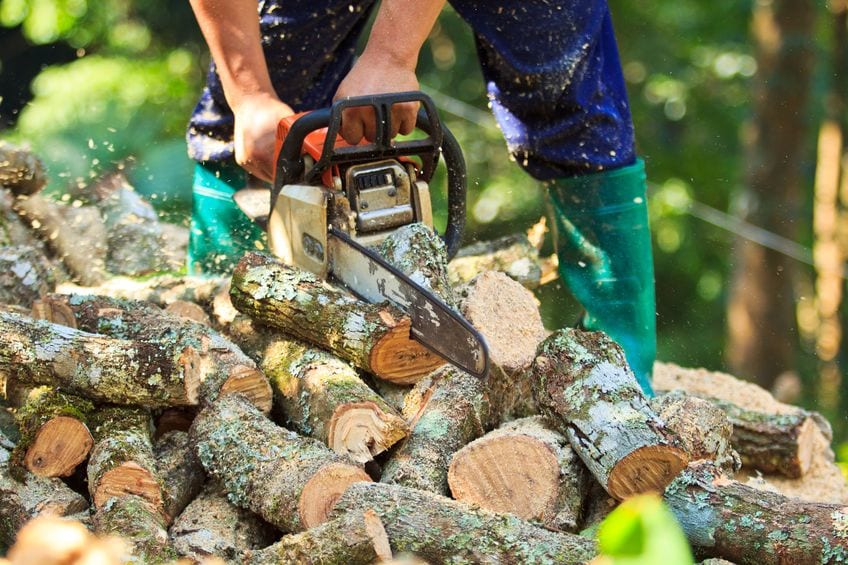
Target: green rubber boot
x,y
220,233
603,243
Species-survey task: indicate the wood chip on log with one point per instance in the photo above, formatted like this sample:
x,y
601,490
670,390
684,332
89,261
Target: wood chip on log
x,y
211,526
122,462
179,470
290,481
584,386
96,367
353,537
524,468
372,337
25,275
441,530
139,525
21,501
54,434
724,518
21,171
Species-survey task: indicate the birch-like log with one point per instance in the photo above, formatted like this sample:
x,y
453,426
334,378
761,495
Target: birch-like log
x,y
585,387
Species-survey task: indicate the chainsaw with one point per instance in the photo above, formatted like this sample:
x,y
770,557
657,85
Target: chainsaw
x,y
332,203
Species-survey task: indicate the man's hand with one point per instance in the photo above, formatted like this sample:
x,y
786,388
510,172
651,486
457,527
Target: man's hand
x,y
256,131
377,73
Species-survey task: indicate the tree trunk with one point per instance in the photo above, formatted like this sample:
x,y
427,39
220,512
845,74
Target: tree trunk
x,y
761,323
584,385
289,480
524,468
142,528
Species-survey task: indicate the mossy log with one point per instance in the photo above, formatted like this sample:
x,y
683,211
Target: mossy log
x,y
179,470
223,366
99,368
372,337
441,530
524,468
584,386
445,412
319,395
290,481
21,171
21,501
213,527
122,462
25,275
354,537
54,434
724,518
139,525
513,255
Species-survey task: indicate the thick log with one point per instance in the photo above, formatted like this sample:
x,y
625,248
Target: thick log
x,y
703,428
441,530
290,481
21,171
211,526
25,275
139,525
724,518
354,537
583,384
122,462
96,367
54,435
223,366
770,436
513,255
174,419
319,395
372,337
21,501
523,468
179,470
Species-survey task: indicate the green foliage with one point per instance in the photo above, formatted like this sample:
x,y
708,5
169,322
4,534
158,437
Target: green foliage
x,y
642,531
842,458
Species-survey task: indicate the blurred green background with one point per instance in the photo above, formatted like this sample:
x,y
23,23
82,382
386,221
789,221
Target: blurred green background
x,y
95,86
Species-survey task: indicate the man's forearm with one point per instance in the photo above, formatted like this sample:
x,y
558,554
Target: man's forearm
x,y
231,29
400,28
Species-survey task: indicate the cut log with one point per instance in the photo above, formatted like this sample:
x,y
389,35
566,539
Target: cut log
x,y
441,530
507,315
371,337
319,395
354,537
122,462
213,527
174,419
290,481
25,275
770,436
584,386
54,436
523,468
140,526
703,428
224,368
724,518
189,311
103,369
179,470
34,496
513,255
21,171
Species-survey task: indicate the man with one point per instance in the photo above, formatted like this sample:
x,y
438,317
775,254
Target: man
x,y
554,80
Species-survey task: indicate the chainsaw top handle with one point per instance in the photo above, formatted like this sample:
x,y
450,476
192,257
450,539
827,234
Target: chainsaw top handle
x,y
439,140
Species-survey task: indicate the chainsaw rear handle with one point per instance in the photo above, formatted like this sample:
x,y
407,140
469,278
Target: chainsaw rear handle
x,y
439,141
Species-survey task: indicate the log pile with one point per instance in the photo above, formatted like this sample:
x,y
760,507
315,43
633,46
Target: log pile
x,y
276,418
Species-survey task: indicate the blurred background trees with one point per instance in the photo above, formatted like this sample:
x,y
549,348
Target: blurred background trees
x,y
739,111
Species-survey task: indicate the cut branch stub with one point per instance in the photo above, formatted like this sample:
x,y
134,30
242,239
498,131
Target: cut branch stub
x,y
584,385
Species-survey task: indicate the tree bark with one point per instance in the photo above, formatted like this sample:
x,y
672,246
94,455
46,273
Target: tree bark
x,y
513,255
371,337
141,527
441,530
585,387
353,537
25,275
179,470
289,480
724,518
524,468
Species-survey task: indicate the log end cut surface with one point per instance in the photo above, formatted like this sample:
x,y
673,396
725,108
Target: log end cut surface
x,y
250,382
363,430
807,436
128,479
397,358
321,492
514,474
59,446
649,468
